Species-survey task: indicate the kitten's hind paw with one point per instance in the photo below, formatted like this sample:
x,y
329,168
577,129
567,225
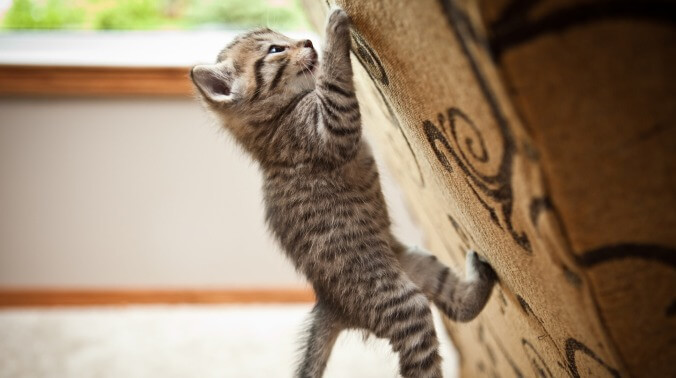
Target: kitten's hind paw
x,y
477,268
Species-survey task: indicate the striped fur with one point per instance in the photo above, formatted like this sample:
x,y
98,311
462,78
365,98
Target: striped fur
x,y
300,121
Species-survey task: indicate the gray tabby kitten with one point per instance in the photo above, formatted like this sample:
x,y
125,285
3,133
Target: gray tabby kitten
x,y
300,120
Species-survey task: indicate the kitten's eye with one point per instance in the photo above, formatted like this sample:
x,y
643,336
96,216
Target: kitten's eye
x,y
276,49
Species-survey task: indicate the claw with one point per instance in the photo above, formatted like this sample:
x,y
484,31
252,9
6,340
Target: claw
x,y
477,267
471,265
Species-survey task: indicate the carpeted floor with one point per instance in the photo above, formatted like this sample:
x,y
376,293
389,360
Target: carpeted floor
x,y
179,341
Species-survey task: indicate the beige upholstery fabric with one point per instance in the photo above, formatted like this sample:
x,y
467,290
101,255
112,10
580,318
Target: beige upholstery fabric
x,y
541,134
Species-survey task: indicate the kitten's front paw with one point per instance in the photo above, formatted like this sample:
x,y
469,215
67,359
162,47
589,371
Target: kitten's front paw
x,y
477,268
338,21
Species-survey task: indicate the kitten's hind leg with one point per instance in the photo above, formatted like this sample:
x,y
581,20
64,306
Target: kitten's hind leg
x,y
319,339
459,299
465,300
402,314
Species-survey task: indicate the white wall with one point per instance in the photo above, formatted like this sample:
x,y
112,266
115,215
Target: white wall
x,y
140,192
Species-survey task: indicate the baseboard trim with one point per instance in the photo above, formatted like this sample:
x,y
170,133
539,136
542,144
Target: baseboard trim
x,y
116,297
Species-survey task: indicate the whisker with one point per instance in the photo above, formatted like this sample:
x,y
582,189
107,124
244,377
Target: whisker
x,y
305,68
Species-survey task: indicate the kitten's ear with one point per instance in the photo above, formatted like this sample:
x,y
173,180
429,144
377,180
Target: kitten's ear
x,y
214,82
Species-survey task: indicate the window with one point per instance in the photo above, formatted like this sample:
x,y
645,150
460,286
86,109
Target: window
x,y
124,47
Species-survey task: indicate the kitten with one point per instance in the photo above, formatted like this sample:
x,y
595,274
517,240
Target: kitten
x,y
300,120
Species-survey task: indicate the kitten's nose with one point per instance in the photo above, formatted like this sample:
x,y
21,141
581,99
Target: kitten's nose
x,y
308,43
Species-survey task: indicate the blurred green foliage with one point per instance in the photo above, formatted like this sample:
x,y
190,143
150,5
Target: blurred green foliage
x,y
50,14
130,14
152,14
248,13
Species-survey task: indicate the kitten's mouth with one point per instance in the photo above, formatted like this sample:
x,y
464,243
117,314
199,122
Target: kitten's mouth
x,y
309,67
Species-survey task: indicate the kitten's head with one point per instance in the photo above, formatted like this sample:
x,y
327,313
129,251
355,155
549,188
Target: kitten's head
x,y
255,73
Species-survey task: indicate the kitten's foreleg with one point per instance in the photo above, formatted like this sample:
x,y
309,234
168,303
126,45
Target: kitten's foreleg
x,y
459,299
319,340
335,65
338,115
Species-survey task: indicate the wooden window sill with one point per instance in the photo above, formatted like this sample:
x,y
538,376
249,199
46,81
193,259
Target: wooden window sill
x,y
95,81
